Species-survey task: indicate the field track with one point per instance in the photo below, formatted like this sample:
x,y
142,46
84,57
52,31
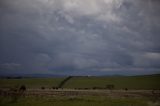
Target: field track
x,y
70,92
113,93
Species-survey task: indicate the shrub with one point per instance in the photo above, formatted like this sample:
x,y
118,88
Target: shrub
x,y
17,92
54,87
42,87
22,88
110,86
126,89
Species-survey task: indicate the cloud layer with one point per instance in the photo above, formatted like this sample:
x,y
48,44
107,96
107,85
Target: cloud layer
x,y
80,37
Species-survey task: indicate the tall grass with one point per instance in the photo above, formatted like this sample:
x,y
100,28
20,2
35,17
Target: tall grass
x,y
74,101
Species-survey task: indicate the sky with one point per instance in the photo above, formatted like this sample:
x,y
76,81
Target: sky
x,y
80,37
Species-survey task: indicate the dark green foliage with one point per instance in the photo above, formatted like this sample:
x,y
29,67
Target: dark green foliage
x,y
126,89
54,87
43,88
64,81
110,86
22,88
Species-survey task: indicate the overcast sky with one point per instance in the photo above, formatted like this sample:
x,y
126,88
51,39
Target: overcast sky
x,y
80,37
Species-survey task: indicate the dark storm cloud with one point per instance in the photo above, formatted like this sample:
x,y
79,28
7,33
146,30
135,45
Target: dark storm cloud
x,y
79,37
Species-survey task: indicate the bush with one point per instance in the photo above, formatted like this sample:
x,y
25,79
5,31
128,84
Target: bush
x,y
17,92
110,86
126,89
42,87
22,88
54,87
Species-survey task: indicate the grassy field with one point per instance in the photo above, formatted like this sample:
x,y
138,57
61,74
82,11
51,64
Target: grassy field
x,y
130,82
75,101
139,93
31,82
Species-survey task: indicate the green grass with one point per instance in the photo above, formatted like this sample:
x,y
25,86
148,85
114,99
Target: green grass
x,y
73,101
30,82
135,82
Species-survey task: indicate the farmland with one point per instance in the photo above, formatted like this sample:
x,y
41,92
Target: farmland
x,y
78,91
75,101
135,82
30,82
120,82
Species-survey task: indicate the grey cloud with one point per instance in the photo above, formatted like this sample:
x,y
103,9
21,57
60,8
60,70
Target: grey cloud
x,y
147,59
58,36
10,66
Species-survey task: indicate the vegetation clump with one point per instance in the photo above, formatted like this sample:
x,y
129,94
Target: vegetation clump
x,y
110,86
